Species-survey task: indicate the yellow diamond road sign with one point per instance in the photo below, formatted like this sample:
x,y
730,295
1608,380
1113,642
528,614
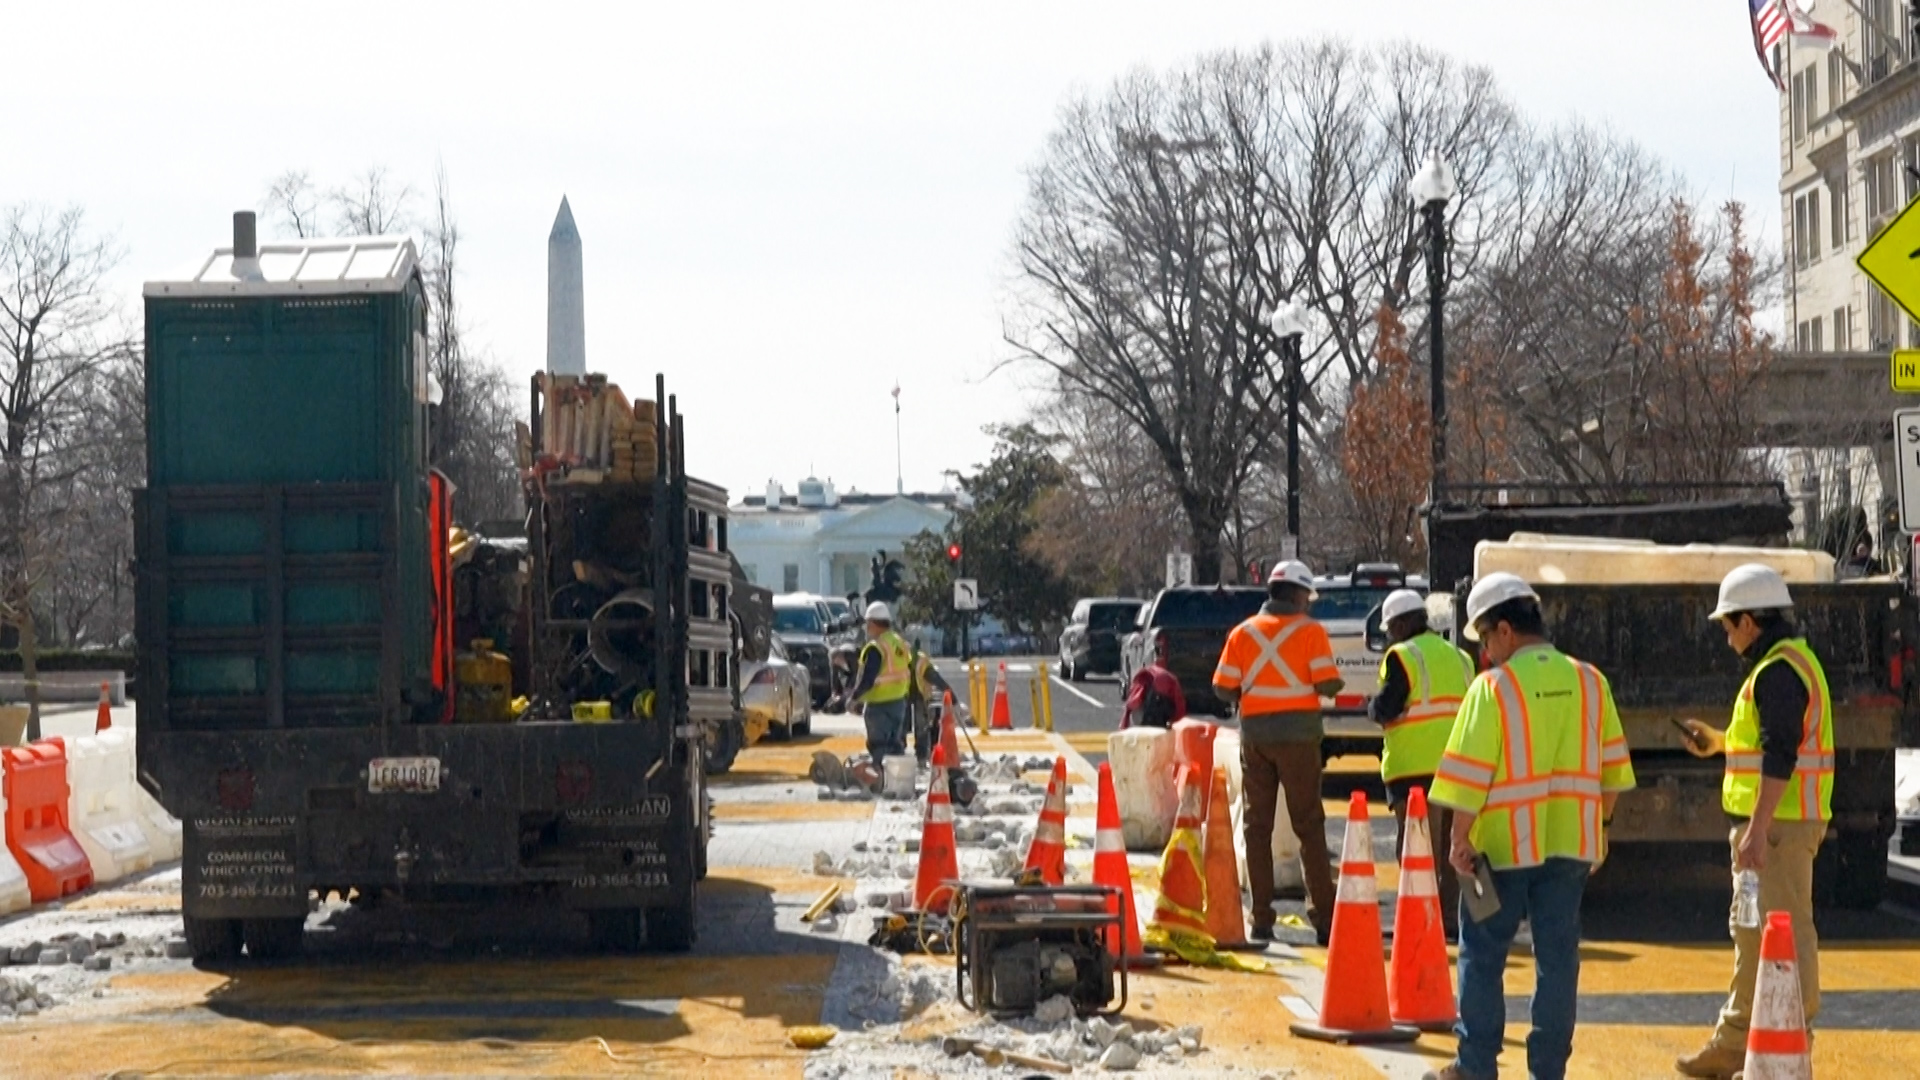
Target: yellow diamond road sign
x,y
1892,260
1906,371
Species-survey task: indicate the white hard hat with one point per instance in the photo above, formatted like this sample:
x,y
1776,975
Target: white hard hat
x,y
1752,587
1492,591
878,612
1292,572
1401,602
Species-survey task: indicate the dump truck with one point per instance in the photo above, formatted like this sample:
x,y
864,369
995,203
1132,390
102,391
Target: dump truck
x,y
302,710
1639,612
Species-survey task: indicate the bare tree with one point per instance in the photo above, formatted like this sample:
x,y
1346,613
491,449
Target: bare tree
x,y
293,204
58,329
373,204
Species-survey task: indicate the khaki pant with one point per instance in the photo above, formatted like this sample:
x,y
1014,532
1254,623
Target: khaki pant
x,y
1786,884
1267,771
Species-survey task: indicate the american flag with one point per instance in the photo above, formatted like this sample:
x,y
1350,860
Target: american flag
x,y
1771,22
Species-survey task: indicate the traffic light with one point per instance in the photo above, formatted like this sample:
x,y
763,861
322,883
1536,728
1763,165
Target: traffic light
x,y
953,553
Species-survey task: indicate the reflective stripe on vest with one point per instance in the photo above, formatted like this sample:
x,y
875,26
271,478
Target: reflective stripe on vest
x,y
1290,694
1802,800
1535,795
896,670
1437,674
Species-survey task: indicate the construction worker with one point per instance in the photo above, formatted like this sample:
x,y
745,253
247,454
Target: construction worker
x,y
1276,667
1154,698
1778,790
1422,679
881,685
1532,769
927,684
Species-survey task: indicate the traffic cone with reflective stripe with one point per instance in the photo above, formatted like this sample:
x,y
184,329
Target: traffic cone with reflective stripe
x,y
103,719
1354,1007
1419,985
1048,852
1226,919
1181,908
1110,868
939,861
949,737
1777,1047
1002,710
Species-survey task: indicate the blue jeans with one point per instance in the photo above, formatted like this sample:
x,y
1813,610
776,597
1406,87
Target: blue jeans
x,y
1548,897
886,730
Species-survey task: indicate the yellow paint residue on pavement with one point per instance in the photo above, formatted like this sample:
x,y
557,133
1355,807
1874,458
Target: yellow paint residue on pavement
x,y
792,811
731,1014
722,879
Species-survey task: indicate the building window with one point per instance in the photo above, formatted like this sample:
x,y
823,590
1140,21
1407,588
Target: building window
x,y
1797,94
1842,329
1883,192
1806,228
1836,80
1837,206
849,578
790,577
1883,322
1818,345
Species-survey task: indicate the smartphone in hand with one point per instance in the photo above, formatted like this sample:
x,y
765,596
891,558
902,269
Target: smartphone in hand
x,y
1482,901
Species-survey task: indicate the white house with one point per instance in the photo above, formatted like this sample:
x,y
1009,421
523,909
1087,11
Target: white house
x,y
821,541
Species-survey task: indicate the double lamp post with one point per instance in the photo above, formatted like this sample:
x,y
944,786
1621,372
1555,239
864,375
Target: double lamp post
x,y
1433,187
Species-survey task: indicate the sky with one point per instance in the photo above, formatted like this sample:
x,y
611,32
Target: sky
x,y
786,208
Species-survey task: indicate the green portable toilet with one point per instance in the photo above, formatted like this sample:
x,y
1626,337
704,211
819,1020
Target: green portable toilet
x,y
285,539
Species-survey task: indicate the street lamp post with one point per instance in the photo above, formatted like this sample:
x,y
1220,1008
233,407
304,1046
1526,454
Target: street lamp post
x,y
1432,188
1289,323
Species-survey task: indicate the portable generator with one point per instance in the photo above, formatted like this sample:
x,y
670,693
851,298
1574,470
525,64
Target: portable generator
x,y
1017,946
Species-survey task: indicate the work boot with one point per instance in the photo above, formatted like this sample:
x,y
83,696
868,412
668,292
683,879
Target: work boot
x,y
1716,1062
1452,1071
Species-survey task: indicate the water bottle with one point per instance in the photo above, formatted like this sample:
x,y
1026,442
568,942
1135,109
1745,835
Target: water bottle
x,y
1746,900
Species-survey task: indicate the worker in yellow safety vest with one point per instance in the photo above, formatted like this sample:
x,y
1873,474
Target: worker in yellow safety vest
x,y
922,696
1531,772
1778,790
1422,679
880,688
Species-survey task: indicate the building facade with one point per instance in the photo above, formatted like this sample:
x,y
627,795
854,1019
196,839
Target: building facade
x,y
1849,162
820,541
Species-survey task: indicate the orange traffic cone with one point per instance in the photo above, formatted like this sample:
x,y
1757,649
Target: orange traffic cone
x,y
1354,1007
939,860
1182,906
1777,1047
949,739
1110,869
1419,986
103,719
1002,711
1226,919
1048,852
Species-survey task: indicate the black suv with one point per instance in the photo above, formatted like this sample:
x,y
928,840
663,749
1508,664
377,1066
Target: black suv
x,y
1090,645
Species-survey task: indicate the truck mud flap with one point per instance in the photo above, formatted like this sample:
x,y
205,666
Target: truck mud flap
x,y
241,867
639,854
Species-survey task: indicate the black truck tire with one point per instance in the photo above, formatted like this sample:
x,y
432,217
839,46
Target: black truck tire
x,y
274,939
672,929
1859,870
725,747
615,929
213,939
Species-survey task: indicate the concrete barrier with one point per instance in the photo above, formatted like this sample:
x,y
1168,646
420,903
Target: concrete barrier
x,y
1287,877
66,686
100,807
1143,782
161,829
35,782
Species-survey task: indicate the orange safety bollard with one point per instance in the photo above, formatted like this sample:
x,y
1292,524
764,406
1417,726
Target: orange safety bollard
x,y
939,867
1110,869
1048,851
1777,1046
1354,1007
103,719
1419,980
38,834
1002,710
1226,918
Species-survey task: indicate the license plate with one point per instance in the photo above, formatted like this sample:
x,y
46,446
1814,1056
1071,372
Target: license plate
x,y
403,774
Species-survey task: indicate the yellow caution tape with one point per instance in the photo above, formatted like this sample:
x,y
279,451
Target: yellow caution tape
x,y
1198,949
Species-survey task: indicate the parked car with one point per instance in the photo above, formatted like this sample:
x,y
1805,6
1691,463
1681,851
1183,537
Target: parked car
x,y
1090,644
846,623
801,623
779,692
1197,619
